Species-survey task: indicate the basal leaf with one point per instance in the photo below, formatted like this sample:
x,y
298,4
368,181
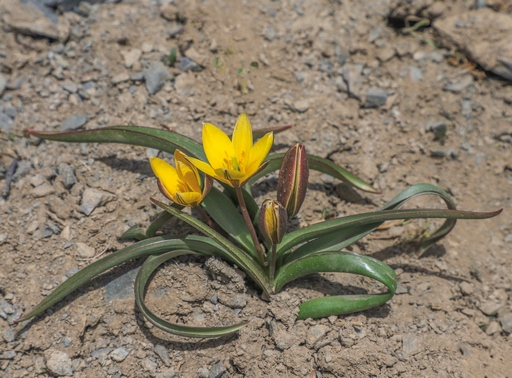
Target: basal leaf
x,y
162,140
224,212
144,248
342,262
141,281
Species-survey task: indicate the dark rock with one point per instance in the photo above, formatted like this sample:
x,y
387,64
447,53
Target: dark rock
x,y
3,83
67,174
74,122
93,198
186,64
121,287
217,370
6,123
375,98
163,353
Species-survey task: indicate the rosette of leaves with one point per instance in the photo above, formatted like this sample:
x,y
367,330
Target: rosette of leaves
x,y
284,258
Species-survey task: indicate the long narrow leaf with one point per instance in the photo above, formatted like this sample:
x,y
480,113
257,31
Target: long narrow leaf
x,y
234,253
162,140
342,262
141,281
146,247
324,228
224,212
319,164
339,239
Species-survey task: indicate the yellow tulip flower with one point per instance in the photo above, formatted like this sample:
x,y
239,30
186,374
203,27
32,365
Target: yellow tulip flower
x,y
180,184
233,161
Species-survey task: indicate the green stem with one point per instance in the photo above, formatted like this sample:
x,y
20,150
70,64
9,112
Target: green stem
x,y
248,220
272,268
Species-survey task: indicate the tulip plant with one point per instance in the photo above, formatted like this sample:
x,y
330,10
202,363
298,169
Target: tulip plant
x,y
233,226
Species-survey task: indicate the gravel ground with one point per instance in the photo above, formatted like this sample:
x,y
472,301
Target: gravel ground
x,y
397,92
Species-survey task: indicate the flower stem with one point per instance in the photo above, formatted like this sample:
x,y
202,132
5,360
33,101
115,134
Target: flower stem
x,y
272,267
248,220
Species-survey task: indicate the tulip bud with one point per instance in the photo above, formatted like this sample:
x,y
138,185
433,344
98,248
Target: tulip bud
x,y
272,221
293,179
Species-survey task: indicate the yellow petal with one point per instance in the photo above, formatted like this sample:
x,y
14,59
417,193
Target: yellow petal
x,y
191,199
202,166
242,138
166,173
258,153
217,146
187,172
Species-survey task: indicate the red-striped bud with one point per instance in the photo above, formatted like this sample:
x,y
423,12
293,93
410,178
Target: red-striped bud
x,y
293,179
272,221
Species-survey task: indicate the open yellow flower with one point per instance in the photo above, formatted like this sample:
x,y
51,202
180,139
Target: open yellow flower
x,y
180,184
233,161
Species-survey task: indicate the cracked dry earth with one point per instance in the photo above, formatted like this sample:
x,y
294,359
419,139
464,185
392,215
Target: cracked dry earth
x,y
362,83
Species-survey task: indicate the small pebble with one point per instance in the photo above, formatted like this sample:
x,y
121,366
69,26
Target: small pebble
x,y
74,123
155,77
120,354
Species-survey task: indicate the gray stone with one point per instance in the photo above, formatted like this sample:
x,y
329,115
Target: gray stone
x,y
506,322
411,345
7,307
9,335
3,82
186,64
120,354
9,355
163,353
74,122
67,174
93,198
375,98
484,35
315,333
438,153
415,74
490,308
101,354
459,85
121,287
69,86
217,370
155,77
58,363
6,123
352,76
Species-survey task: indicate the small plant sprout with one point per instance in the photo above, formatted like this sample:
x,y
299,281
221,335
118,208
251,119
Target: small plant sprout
x,y
269,254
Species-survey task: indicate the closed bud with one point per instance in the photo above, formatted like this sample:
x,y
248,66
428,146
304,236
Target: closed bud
x,y
293,179
272,221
